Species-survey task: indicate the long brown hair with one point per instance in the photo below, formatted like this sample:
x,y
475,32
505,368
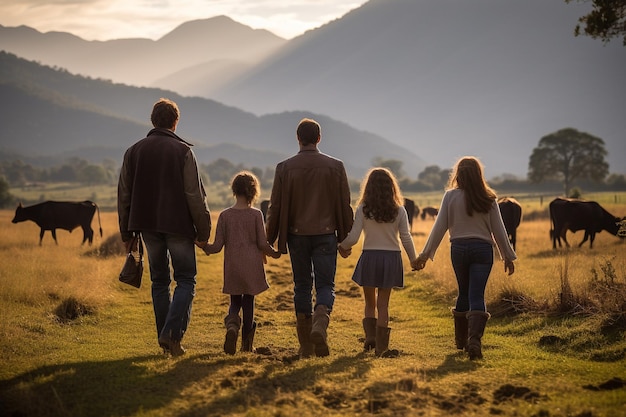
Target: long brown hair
x,y
380,196
467,175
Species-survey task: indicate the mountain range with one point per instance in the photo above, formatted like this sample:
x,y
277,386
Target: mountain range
x,y
52,113
438,79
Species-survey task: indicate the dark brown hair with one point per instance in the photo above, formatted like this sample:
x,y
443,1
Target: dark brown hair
x,y
380,196
165,114
467,175
309,131
246,184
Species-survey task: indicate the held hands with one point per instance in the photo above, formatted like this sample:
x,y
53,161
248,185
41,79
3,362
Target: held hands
x,y
509,267
419,263
344,252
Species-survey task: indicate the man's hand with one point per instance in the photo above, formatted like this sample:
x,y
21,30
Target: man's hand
x,y
344,252
201,245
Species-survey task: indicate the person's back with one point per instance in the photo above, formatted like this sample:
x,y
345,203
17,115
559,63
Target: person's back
x,y
161,197
309,211
314,183
159,202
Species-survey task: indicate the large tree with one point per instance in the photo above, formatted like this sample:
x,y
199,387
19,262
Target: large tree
x,y
605,21
568,155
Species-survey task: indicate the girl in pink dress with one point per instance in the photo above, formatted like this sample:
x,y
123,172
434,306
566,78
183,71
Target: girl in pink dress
x,y
241,232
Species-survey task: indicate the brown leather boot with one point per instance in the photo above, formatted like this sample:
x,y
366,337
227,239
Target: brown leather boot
x,y
303,327
382,343
232,323
476,322
369,326
319,334
460,329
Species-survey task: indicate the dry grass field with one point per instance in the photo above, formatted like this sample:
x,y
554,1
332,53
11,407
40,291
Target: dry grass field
x,y
76,342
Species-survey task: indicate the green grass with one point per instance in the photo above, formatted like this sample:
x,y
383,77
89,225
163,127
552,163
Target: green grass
x,y
108,362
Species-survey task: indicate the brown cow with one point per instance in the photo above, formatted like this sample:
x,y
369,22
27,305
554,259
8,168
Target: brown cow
x,y
511,211
573,215
52,215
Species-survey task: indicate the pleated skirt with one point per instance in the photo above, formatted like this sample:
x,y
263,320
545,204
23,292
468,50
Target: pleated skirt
x,y
380,269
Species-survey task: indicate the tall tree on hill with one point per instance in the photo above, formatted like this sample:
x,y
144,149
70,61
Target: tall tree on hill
x,y
568,155
606,20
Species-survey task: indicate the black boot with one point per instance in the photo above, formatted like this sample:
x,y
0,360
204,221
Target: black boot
x,y
460,329
476,321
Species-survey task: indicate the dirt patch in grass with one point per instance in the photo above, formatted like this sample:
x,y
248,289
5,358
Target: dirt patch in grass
x,y
611,384
508,392
71,309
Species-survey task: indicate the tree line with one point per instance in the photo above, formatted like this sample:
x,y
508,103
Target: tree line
x,y
567,159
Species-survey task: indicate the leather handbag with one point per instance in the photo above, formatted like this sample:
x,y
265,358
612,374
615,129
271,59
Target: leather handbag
x,y
133,267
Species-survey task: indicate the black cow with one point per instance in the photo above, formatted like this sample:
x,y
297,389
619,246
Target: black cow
x,y
412,210
429,211
511,211
573,215
265,204
52,215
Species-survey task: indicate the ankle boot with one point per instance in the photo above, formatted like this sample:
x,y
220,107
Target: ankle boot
x,y
319,328
247,338
460,329
303,327
382,343
476,321
369,326
232,323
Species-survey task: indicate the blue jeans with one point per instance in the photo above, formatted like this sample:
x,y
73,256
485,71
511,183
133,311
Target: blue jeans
x,y
472,260
172,312
313,261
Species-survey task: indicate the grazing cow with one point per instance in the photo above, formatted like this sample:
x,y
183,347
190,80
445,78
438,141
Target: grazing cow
x,y
412,210
265,204
511,211
432,212
574,215
52,215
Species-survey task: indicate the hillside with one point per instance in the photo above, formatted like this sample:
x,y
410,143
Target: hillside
x,y
54,112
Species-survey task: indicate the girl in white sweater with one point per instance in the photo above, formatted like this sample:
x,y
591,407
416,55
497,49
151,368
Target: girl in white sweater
x,y
382,218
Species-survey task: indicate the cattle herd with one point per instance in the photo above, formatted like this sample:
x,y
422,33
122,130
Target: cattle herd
x,y
565,214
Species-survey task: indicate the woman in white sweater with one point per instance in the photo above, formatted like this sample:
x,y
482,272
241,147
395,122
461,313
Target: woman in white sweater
x,y
469,211
382,218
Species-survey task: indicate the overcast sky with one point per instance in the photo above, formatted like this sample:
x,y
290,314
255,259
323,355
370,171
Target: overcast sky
x,y
114,19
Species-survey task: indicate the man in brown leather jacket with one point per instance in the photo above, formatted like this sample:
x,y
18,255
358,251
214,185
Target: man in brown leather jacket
x,y
309,213
161,196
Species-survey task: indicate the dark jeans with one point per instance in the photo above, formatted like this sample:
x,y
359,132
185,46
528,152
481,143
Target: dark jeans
x,y
472,260
172,312
313,262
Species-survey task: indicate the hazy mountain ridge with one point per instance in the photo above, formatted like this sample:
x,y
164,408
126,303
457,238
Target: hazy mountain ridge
x,y
54,112
142,61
